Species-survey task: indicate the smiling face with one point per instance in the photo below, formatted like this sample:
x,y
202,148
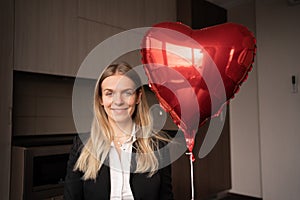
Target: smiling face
x,y
119,98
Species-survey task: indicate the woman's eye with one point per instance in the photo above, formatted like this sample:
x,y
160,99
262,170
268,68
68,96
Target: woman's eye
x,y
108,94
128,93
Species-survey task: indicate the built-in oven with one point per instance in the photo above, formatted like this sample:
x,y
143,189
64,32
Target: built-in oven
x,y
38,172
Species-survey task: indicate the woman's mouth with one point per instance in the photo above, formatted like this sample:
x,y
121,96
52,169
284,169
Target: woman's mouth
x,y
119,110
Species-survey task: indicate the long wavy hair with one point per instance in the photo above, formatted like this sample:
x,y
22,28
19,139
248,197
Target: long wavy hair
x,y
96,149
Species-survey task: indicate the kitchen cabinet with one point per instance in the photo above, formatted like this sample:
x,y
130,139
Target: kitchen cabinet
x,y
127,14
98,20
90,34
46,36
54,36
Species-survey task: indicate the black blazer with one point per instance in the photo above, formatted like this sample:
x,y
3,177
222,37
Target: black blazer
x,y
156,187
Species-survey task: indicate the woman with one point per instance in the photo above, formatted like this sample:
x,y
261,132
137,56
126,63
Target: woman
x,y
122,158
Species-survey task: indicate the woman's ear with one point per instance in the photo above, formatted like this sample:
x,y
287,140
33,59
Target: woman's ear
x,y
100,101
139,97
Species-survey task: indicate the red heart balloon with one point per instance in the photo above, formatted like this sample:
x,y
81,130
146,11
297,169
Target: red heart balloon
x,y
193,73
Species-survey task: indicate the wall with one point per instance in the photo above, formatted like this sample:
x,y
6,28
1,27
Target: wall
x,y
278,33
244,120
265,115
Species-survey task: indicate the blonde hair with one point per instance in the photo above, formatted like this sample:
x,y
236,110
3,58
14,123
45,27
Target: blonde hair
x,y
96,150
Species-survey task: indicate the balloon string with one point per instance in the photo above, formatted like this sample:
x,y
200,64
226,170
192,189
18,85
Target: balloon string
x,y
192,172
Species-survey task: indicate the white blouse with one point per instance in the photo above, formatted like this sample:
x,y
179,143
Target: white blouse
x,y
120,169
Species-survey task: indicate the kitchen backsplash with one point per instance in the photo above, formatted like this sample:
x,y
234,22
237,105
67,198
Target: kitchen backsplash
x,y
42,104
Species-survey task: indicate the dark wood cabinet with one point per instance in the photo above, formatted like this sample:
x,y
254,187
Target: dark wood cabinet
x,y
212,174
200,14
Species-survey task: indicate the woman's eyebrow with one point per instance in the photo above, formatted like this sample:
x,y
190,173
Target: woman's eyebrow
x,y
126,89
107,89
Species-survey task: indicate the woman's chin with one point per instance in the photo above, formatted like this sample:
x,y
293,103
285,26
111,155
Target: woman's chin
x,y
121,118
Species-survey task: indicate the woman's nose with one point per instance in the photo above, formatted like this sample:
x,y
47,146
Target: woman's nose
x,y
118,99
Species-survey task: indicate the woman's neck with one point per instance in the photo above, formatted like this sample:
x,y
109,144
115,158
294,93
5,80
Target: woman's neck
x,y
121,129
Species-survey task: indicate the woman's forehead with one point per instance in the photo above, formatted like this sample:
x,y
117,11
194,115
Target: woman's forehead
x,y
117,82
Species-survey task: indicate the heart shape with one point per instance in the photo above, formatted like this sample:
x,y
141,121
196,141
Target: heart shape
x,y
193,73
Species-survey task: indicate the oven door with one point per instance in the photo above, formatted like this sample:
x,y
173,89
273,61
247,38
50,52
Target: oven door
x,y
38,172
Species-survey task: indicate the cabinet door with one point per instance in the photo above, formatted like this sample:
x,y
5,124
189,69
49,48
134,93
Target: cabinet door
x,y
46,36
159,11
127,14
115,13
98,20
90,34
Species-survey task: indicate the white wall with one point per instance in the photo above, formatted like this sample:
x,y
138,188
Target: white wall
x,y
278,38
265,115
244,120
